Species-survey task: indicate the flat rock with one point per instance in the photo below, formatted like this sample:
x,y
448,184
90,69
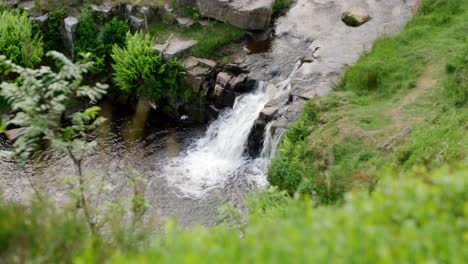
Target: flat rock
x,y
14,134
185,21
174,47
245,14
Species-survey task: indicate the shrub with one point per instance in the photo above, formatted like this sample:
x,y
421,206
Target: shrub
x,y
136,62
17,40
88,41
280,7
52,38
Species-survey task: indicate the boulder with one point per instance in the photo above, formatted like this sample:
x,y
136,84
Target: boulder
x,y
71,23
41,20
14,134
256,138
174,47
28,5
355,17
245,14
105,10
136,23
185,21
198,70
145,12
128,10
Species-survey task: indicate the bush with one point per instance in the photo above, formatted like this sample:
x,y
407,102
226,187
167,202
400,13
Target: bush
x,y
88,41
280,7
17,40
52,38
136,62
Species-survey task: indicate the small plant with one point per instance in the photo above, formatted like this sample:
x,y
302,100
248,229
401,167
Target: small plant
x,y
136,62
17,40
39,97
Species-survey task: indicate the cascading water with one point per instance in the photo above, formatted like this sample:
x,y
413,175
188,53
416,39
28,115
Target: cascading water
x,y
210,161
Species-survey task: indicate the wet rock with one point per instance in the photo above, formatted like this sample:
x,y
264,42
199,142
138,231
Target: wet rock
x,y
175,47
186,2
14,134
213,112
28,6
185,21
245,14
128,10
256,138
145,12
41,20
355,17
223,79
223,97
136,23
105,10
198,70
242,83
71,23
236,69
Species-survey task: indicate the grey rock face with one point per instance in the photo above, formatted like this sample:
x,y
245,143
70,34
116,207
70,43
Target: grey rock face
x,y
105,10
41,20
136,23
198,70
245,14
71,23
174,47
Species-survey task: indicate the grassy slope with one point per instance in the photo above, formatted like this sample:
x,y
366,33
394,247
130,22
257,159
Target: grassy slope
x,y
417,79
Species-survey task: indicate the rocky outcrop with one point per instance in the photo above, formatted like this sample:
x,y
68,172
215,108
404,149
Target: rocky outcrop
x,y
229,86
198,73
245,14
71,23
355,17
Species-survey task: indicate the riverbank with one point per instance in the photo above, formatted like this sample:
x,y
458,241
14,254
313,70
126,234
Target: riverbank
x,y
386,152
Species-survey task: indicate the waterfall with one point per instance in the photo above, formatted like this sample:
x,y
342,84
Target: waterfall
x,y
221,151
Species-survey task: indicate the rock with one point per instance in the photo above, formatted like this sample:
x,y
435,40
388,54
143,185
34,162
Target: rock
x,y
128,10
223,79
185,21
223,97
71,23
174,47
186,2
136,23
242,84
146,12
11,3
236,69
213,112
256,138
245,14
105,10
28,6
198,70
14,134
355,17
41,20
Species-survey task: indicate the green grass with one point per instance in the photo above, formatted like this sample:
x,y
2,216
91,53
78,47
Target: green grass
x,y
210,38
416,79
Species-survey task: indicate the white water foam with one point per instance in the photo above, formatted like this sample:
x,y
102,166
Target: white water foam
x,y
221,152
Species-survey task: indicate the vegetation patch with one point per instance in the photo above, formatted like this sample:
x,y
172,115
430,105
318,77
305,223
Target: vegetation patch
x,y
209,37
398,106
